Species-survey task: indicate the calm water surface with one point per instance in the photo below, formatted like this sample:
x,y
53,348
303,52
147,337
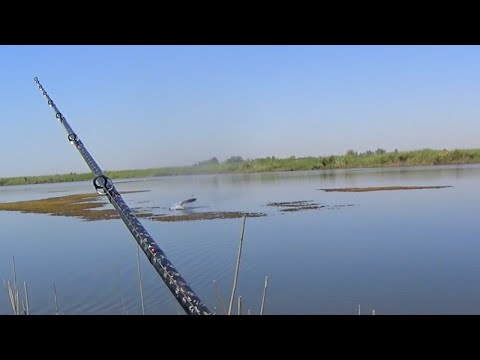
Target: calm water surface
x,y
398,252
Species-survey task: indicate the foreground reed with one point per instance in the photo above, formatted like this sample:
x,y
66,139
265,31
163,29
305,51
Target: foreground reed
x,y
14,294
16,300
235,282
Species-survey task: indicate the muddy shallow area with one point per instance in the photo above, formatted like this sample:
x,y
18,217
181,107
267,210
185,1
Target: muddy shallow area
x,y
291,206
91,207
210,215
383,188
87,207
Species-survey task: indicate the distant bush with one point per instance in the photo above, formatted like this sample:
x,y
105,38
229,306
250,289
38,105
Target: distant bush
x,y
236,164
211,161
234,160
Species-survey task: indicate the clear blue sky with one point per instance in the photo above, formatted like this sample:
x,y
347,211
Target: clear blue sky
x,y
151,106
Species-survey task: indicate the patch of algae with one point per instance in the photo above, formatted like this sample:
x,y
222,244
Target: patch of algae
x,y
210,215
88,207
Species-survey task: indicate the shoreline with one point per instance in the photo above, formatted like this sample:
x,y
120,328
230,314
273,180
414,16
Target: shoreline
x,y
352,160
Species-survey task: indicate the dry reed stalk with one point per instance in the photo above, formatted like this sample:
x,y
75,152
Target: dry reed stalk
x,y
55,297
26,298
262,307
240,305
140,279
235,277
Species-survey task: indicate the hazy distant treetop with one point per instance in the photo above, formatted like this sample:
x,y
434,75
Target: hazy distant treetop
x,y
234,159
211,161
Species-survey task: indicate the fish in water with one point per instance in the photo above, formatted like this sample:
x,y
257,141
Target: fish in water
x,y
181,205
190,200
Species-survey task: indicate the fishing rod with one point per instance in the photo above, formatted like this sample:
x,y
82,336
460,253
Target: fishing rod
x,y
182,292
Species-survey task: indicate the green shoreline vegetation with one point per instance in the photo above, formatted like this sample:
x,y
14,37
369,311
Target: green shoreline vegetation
x,y
236,164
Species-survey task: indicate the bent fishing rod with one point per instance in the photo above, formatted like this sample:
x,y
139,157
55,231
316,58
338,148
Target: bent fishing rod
x,y
182,292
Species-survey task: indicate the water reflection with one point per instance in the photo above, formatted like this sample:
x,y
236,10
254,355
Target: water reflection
x,y
399,252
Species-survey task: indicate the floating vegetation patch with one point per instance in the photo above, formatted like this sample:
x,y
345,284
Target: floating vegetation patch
x,y
383,188
291,206
338,206
211,215
87,207
307,207
91,207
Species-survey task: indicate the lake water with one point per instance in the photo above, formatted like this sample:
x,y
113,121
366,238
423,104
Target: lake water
x,y
395,252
